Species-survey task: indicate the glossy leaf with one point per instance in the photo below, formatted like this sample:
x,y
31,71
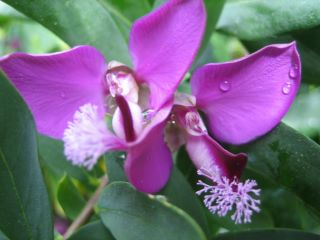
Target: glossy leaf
x,y
306,104
93,231
95,26
133,215
258,19
24,210
69,198
288,159
275,234
179,192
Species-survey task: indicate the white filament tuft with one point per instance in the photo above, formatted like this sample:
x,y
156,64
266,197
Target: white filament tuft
x,y
84,138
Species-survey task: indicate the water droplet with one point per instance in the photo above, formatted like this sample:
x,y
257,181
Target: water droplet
x,y
147,115
293,72
62,94
225,86
286,89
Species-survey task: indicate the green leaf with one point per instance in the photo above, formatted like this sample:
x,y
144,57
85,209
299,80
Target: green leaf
x,y
179,192
214,9
288,211
132,215
114,162
93,231
69,198
54,160
274,234
258,19
131,9
306,104
24,210
289,159
80,22
3,237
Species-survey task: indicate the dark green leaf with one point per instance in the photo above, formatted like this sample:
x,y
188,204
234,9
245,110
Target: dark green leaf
x,y
114,162
306,104
81,22
258,19
24,210
133,215
287,210
93,231
179,192
54,160
274,234
214,9
288,159
131,9
3,237
69,198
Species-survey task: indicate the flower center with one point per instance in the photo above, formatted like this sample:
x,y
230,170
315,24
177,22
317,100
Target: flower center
x,y
120,81
194,123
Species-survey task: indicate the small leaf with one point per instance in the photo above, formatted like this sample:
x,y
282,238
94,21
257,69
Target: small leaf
x,y
93,231
132,215
274,234
69,198
258,19
24,210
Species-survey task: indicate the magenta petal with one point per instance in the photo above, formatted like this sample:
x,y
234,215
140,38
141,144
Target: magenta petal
x,y
205,152
56,85
163,45
149,162
246,98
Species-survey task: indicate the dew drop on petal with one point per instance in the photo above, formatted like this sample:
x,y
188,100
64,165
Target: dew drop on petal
x,y
147,115
286,88
225,86
293,72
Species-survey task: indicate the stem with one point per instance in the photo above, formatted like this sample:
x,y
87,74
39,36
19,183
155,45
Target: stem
x,y
87,210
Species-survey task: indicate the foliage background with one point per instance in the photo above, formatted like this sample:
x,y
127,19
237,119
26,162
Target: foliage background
x,y
285,162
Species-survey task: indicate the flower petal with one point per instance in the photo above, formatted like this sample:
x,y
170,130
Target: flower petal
x,y
163,45
205,152
246,98
56,85
149,162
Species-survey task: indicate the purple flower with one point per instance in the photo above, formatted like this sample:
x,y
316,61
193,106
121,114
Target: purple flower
x,y
242,100
71,93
